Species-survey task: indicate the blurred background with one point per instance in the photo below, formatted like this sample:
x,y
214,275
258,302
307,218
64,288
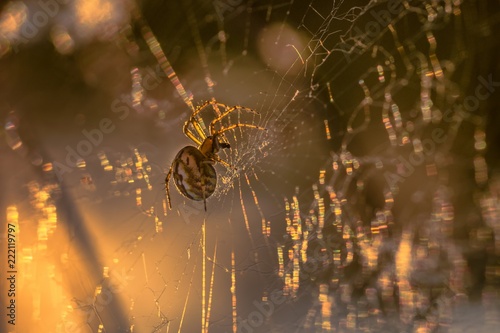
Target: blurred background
x,y
370,203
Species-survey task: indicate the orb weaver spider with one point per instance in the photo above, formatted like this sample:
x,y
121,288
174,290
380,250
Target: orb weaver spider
x,y
192,168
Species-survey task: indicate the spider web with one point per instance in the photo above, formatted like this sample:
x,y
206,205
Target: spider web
x,y
370,204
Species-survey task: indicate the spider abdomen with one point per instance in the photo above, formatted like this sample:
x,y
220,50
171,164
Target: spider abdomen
x,y
194,175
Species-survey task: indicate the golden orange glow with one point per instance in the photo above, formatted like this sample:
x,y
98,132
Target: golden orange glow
x,y
12,18
234,300
326,307
94,12
38,271
62,40
368,200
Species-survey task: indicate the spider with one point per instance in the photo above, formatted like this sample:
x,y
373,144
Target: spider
x,y
192,168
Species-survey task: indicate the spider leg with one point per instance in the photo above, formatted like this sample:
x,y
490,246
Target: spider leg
x,y
190,134
232,127
201,107
195,120
226,113
224,163
198,130
167,180
215,107
197,125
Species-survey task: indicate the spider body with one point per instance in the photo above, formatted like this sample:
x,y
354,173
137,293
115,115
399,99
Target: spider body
x,y
192,169
194,175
